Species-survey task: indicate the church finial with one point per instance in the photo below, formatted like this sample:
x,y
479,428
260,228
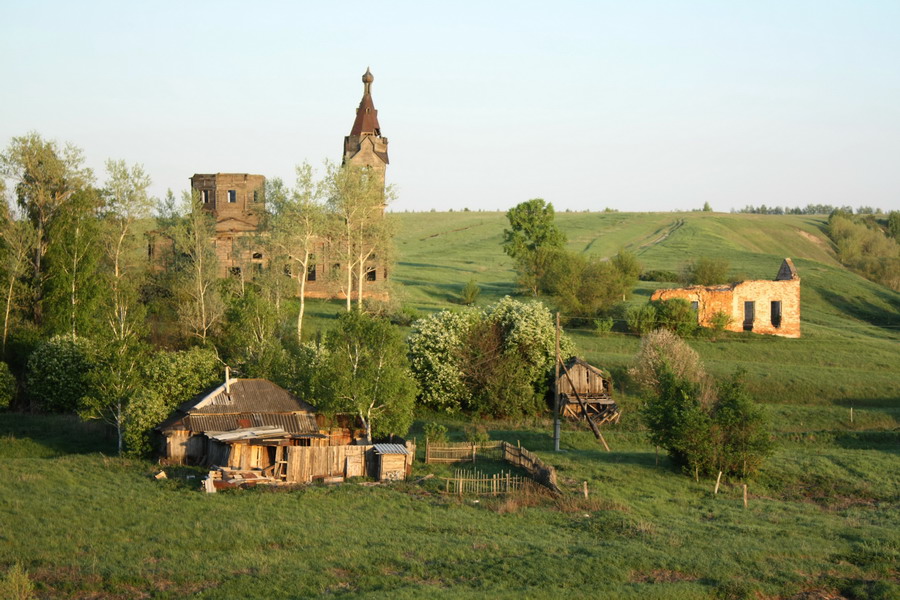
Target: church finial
x,y
367,79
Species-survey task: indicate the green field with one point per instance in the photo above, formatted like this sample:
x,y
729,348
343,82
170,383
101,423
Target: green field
x,y
823,515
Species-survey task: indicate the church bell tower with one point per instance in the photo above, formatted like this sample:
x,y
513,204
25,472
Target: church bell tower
x,y
365,146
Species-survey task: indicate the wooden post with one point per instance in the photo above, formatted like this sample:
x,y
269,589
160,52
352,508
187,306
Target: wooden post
x,y
556,428
851,414
718,479
473,452
745,495
585,490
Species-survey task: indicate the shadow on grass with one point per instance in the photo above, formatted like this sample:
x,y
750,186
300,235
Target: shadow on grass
x,y
54,435
865,310
884,441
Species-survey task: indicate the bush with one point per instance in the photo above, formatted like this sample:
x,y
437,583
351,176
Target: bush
x,y
719,322
56,379
728,433
664,350
659,275
676,315
470,293
641,319
603,325
477,434
435,433
493,361
8,386
705,271
16,585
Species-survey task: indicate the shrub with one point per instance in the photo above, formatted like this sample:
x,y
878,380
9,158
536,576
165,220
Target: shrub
x,y
494,361
662,349
470,293
16,585
705,271
56,379
477,434
641,319
603,325
719,322
660,275
8,386
435,433
676,315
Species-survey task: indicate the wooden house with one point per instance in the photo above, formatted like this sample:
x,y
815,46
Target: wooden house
x,y
238,409
585,391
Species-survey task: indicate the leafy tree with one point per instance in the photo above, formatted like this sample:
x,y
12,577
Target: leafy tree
x,y
663,350
295,227
434,344
17,238
641,319
8,386
169,379
200,303
531,235
250,341
742,428
74,285
359,232
46,177
894,224
56,379
366,372
705,271
126,202
493,361
114,380
676,315
583,288
707,207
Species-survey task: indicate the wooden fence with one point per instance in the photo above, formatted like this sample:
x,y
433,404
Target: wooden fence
x,y
449,452
475,482
537,469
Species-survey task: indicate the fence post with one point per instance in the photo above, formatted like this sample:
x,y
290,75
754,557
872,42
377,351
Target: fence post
x,y
473,452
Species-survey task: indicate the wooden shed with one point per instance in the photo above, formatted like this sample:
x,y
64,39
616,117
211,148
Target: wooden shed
x,y
394,461
238,405
583,388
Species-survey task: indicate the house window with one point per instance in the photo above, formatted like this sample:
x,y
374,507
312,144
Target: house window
x,y
370,274
255,195
206,196
776,313
311,273
749,315
695,306
257,256
235,271
232,196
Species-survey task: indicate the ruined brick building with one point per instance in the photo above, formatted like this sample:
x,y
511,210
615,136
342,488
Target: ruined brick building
x,y
238,201
760,306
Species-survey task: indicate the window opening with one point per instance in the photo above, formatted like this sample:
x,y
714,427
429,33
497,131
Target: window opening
x,y
776,313
257,255
232,196
370,274
311,273
205,196
749,315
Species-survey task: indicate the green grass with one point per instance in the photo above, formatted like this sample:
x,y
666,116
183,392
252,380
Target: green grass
x,y
823,514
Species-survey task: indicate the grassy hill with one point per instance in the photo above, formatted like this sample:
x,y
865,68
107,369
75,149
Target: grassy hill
x,y
822,520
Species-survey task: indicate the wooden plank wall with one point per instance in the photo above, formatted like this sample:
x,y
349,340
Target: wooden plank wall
x,y
538,469
306,463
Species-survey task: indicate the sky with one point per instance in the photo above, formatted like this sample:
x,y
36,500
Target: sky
x,y
633,106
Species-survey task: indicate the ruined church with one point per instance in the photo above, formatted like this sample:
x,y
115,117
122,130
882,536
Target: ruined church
x,y
238,201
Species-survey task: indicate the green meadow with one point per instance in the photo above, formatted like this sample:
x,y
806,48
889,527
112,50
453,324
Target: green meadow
x,y
822,518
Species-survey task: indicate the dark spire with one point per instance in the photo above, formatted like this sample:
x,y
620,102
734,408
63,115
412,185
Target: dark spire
x,y
366,116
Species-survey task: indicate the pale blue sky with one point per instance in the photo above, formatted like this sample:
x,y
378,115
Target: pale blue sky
x,y
631,105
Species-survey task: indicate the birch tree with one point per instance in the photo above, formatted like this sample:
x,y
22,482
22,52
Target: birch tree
x,y
200,304
17,238
356,200
366,372
46,177
127,201
296,228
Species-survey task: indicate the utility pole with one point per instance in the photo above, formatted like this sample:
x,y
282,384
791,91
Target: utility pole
x,y
556,393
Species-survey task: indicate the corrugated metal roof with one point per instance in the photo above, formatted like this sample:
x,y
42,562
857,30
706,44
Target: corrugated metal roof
x,y
246,433
248,396
290,423
390,449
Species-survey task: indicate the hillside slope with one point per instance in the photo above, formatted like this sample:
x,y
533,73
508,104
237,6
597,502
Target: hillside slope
x,y
851,327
